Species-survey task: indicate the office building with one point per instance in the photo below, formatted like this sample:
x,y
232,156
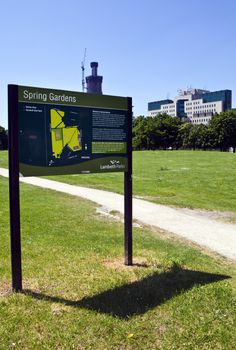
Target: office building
x,y
194,105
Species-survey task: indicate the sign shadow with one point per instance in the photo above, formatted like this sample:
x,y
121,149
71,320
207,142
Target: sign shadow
x,y
140,296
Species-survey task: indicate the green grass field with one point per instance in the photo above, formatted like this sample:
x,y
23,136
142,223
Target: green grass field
x,y
192,179
78,295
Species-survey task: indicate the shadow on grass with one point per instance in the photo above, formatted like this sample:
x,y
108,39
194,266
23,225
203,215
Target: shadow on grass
x,y
138,297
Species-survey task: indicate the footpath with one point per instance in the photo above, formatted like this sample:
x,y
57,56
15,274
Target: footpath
x,y
216,236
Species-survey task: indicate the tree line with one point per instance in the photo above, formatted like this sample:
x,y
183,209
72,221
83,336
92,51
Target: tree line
x,y
166,132
3,138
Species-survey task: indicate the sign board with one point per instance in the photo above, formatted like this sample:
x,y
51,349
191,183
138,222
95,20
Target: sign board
x,y
68,132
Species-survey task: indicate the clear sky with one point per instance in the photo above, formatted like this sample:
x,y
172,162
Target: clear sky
x,y
145,49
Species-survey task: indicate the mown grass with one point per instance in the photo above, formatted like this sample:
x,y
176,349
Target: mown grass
x,y
78,295
204,180
3,159
192,179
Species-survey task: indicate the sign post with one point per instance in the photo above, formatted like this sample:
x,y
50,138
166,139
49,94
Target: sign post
x,y
56,132
128,193
15,236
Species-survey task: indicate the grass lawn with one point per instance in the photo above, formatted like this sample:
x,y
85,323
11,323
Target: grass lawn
x,y
78,295
192,179
3,159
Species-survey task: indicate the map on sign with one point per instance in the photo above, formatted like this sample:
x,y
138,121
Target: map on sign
x,y
62,135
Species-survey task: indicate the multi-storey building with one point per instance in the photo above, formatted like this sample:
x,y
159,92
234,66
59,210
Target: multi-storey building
x,y
194,105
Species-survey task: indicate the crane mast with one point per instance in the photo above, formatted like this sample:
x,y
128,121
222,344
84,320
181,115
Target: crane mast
x,y
82,68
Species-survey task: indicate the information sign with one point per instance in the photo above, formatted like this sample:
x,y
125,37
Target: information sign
x,y
66,132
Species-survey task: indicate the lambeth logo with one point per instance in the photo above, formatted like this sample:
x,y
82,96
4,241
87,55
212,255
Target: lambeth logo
x,y
113,164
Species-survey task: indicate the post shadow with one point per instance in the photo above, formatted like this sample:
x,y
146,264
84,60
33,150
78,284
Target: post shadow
x,y
138,297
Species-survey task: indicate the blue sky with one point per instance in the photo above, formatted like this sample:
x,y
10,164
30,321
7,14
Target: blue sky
x,y
145,49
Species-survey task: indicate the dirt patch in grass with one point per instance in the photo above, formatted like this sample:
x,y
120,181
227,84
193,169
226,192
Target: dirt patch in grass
x,y
224,216
5,289
119,265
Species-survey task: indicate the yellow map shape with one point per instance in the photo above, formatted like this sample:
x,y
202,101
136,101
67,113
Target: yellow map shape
x,y
62,135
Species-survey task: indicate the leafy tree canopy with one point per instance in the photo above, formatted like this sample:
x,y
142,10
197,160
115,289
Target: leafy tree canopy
x,y
164,131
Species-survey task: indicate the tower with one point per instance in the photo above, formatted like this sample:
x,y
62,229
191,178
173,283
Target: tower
x,y
94,81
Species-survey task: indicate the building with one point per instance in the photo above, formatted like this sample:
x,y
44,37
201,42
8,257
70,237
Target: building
x,y
94,81
194,105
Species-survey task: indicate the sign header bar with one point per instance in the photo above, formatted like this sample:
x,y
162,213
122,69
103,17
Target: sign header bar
x,y
70,98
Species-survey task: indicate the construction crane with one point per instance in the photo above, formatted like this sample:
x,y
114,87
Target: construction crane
x,y
82,67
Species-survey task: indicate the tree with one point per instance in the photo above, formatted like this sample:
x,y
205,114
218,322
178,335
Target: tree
x,y
139,133
223,127
156,132
199,137
3,138
164,131
167,129
183,135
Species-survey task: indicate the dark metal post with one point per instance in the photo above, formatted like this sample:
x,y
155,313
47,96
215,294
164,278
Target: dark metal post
x,y
128,193
14,191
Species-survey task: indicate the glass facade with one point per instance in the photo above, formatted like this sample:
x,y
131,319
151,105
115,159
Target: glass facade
x,y
180,109
152,106
223,95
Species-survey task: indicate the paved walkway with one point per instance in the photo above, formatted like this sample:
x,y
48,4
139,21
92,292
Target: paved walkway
x,y
216,236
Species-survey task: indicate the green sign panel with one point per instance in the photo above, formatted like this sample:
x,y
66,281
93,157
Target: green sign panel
x,y
66,132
